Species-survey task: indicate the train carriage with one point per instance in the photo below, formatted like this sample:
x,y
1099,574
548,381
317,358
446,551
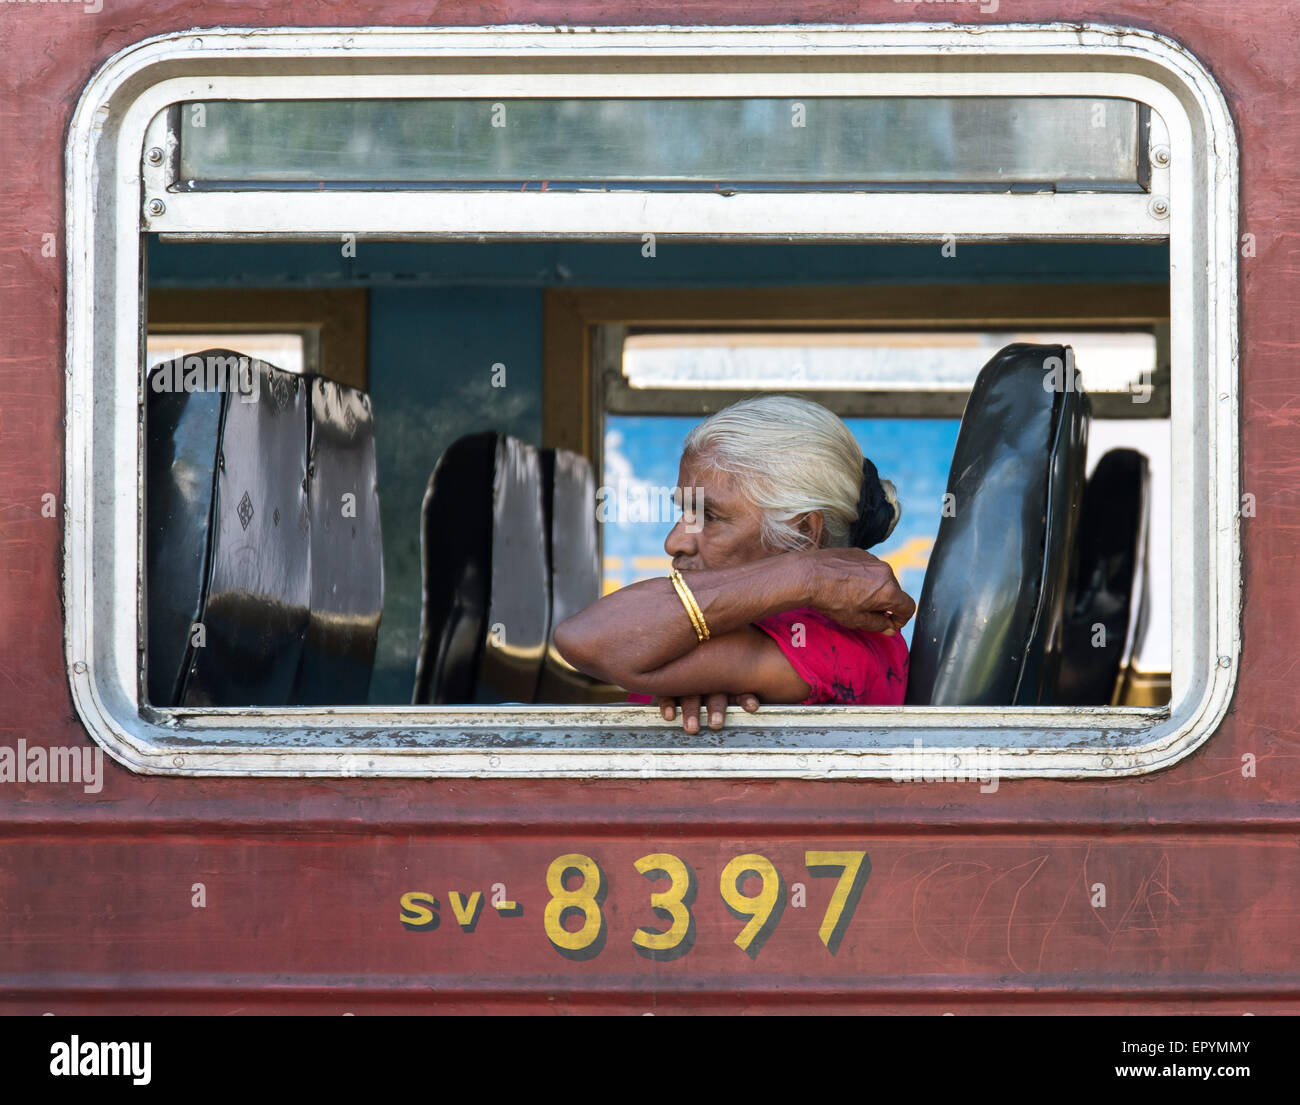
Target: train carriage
x,y
344,360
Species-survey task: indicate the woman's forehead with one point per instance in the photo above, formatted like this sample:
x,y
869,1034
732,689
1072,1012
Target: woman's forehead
x,y
716,486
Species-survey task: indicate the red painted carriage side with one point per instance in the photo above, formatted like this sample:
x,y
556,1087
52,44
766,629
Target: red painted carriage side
x,y
974,900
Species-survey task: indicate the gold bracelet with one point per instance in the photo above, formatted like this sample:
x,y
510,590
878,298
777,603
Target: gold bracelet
x,y
678,585
693,610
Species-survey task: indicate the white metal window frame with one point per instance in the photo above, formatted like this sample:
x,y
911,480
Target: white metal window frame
x,y
112,196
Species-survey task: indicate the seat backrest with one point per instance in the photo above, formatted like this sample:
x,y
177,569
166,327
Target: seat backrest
x,y
989,621
347,560
1106,608
228,533
486,602
569,502
180,486
246,605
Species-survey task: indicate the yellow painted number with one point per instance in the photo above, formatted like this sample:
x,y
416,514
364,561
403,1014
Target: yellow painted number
x,y
674,903
585,899
853,869
763,909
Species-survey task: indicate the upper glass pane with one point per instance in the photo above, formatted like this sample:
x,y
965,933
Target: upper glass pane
x,y
689,144
895,360
284,350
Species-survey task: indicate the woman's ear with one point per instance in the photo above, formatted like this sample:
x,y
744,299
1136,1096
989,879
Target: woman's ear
x,y
813,526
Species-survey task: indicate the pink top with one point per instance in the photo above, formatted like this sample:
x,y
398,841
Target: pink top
x,y
842,666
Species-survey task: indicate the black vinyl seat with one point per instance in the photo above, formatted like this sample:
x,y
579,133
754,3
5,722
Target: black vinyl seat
x,y
1106,614
569,501
347,563
990,618
486,603
247,605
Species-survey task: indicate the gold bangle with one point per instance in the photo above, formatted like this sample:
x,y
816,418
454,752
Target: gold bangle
x,y
693,610
678,586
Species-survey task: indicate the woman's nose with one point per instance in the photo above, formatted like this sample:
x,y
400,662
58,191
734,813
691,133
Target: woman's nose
x,y
680,541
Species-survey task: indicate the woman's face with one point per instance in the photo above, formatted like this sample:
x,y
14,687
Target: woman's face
x,y
720,527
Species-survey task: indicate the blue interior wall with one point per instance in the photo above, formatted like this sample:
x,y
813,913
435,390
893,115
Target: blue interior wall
x,y
441,315
438,347
578,264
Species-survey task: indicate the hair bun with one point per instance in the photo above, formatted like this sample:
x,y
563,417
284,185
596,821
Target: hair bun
x,y
878,509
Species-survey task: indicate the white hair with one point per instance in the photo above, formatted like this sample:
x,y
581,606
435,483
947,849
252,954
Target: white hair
x,y
789,457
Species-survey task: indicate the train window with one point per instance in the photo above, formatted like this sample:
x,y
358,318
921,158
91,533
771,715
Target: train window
x,y
569,243
700,143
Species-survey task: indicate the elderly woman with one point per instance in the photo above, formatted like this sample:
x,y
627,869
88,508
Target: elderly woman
x,y
771,596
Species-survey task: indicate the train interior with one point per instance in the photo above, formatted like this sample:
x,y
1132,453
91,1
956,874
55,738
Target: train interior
x,y
443,448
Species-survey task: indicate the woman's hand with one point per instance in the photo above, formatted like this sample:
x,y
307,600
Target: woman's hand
x,y
715,707
859,591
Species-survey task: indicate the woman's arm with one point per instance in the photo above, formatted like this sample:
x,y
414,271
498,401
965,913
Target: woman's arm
x,y
744,660
640,637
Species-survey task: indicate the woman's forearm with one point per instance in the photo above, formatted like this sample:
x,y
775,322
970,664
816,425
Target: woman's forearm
x,y
640,628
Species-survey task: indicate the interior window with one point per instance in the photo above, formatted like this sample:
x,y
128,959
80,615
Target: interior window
x,y
286,350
